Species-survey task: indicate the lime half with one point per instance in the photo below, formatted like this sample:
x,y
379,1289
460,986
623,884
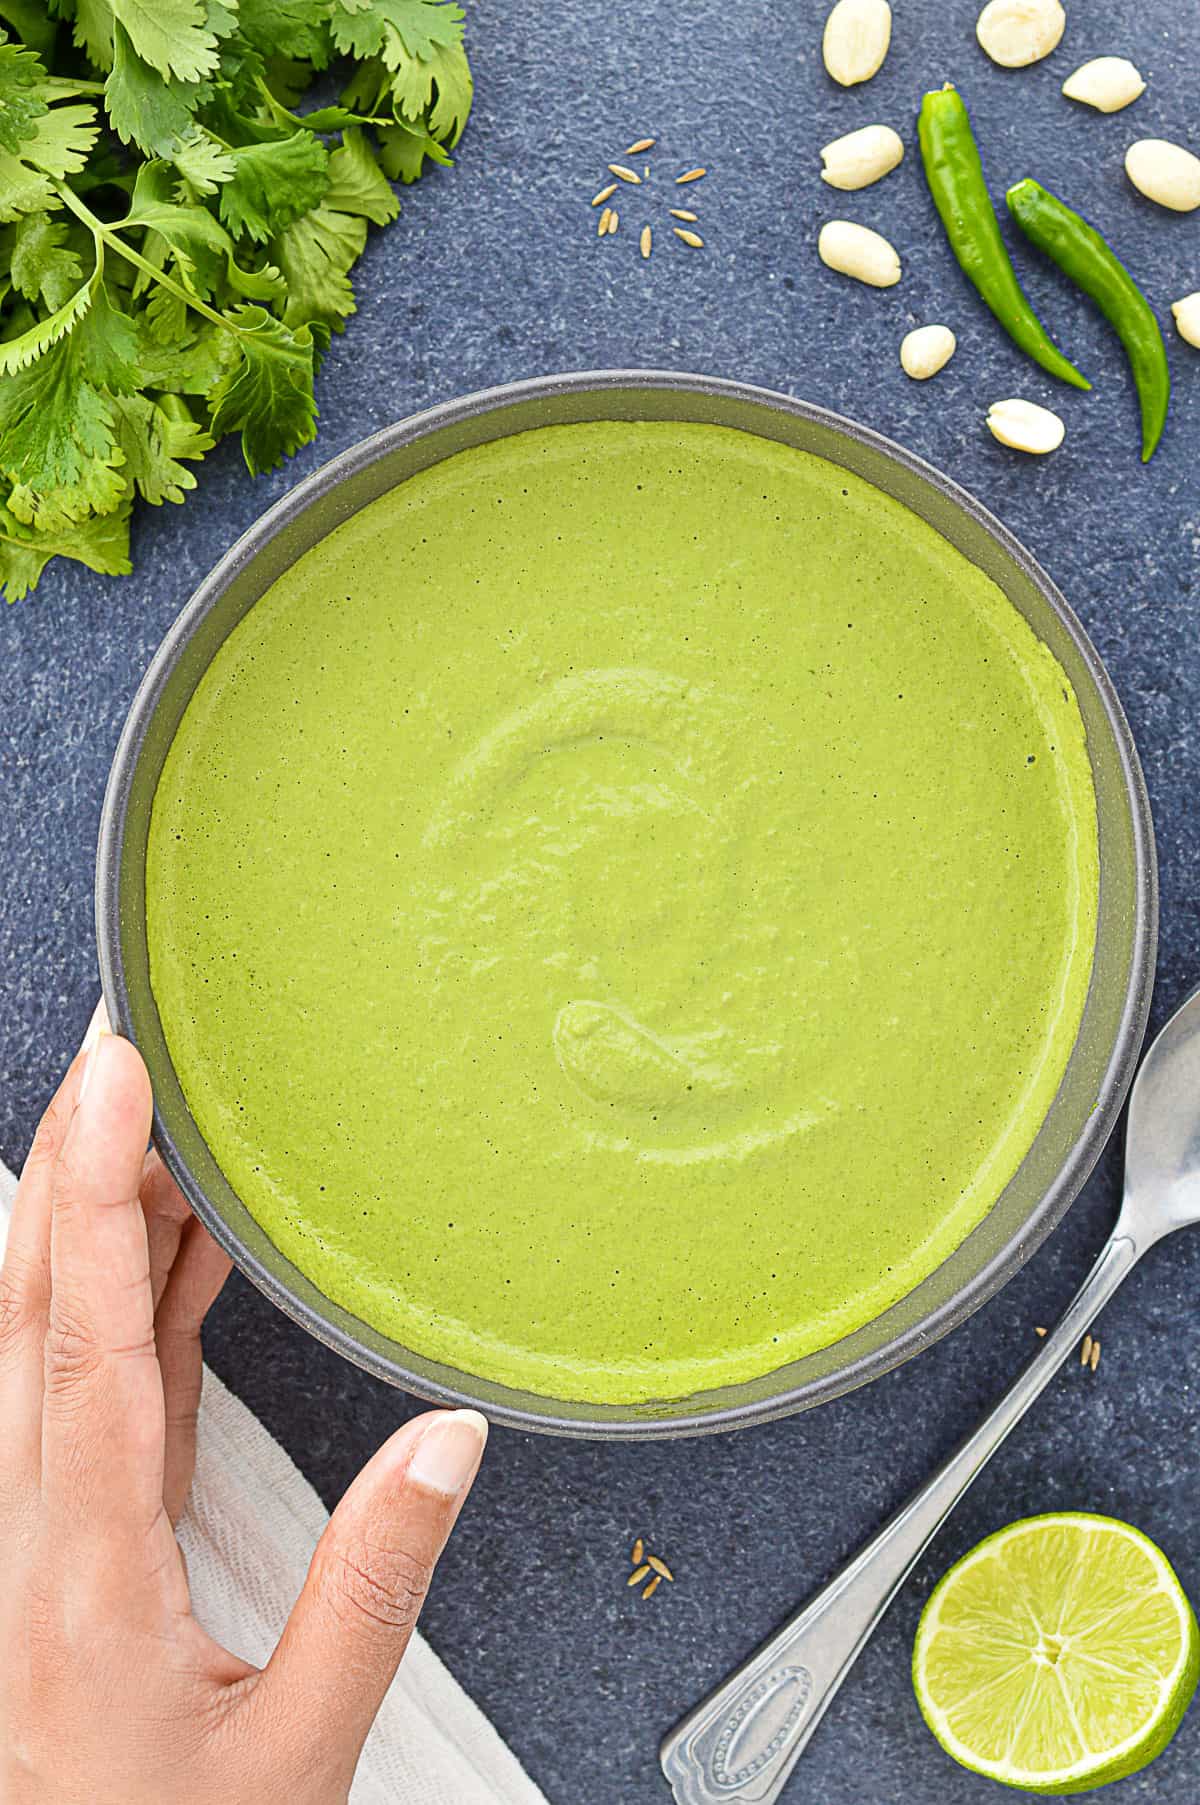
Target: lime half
x,y
1059,1654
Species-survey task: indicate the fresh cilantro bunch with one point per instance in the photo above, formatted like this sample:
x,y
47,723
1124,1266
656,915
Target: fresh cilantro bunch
x,y
176,237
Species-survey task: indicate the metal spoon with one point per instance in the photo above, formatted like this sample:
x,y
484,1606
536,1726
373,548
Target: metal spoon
x,y
740,1745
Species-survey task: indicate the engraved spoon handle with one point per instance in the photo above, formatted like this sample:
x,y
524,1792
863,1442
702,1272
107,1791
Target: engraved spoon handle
x,y
740,1745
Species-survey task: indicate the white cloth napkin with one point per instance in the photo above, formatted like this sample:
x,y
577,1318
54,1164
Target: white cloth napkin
x,y
249,1529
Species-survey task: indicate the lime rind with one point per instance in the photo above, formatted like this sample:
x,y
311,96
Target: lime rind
x,y
1059,1654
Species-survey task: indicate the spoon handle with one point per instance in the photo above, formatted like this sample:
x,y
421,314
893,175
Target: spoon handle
x,y
740,1745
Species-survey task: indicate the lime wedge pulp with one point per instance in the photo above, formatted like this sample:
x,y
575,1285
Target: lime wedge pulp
x,y
1059,1654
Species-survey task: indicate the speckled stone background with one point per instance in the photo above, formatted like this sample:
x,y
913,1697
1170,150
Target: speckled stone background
x,y
494,272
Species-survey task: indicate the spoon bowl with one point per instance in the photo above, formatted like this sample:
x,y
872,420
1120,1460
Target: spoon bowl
x,y
1162,1140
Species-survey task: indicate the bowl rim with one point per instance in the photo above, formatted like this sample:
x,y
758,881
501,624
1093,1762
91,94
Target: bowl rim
x,y
1058,1195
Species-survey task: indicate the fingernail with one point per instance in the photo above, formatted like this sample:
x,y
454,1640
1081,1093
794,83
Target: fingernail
x,y
97,1028
448,1453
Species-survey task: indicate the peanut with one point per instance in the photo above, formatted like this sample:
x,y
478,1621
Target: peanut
x,y
1107,83
1164,172
926,350
1187,318
861,157
1025,426
857,35
1015,33
856,251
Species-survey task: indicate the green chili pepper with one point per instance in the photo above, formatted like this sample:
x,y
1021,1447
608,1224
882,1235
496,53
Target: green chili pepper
x,y
1080,251
955,177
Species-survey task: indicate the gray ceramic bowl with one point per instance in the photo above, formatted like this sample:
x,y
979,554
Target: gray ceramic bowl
x,y
1101,1065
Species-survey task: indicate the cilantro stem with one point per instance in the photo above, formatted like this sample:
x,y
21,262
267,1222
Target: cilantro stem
x,y
279,112
106,234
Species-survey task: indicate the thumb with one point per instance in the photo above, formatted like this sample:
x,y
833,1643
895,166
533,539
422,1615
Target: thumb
x,y
366,1584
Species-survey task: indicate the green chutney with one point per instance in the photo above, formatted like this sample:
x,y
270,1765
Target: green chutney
x,y
621,906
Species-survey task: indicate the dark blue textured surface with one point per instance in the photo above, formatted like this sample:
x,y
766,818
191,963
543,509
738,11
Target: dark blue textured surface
x,y
494,272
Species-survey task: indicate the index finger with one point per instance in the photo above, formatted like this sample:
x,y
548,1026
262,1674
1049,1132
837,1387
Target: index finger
x,y
25,1294
102,1422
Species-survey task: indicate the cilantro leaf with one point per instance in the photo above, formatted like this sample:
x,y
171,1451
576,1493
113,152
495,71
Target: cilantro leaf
x,y
31,344
301,25
42,266
265,284
357,184
190,365
197,241
22,94
145,109
22,190
176,37
273,184
170,35
451,77
420,43
57,444
153,438
268,396
403,150
101,488
223,20
397,29
105,342
201,161
93,29
61,140
165,315
101,542
316,254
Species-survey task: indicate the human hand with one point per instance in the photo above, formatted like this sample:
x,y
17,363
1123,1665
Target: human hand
x,y
111,1693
